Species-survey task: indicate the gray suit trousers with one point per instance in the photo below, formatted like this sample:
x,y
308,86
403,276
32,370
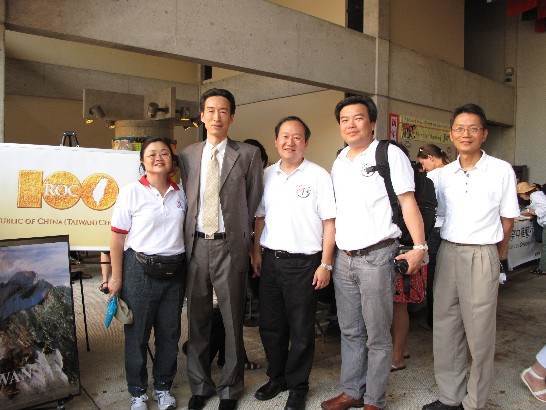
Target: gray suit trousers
x,y
211,267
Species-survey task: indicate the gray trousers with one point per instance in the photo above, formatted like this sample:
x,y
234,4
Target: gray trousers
x,y
211,266
364,291
465,308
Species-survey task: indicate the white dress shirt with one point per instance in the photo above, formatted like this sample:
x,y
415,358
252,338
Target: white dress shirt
x,y
207,149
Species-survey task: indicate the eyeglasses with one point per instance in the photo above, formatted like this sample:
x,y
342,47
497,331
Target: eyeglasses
x,y
473,130
161,154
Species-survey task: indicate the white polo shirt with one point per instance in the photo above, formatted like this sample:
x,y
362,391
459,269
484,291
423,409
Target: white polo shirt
x,y
474,201
294,207
364,213
203,179
433,176
154,225
538,203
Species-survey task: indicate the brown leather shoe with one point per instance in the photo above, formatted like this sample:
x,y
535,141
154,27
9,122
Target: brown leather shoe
x,y
341,402
371,407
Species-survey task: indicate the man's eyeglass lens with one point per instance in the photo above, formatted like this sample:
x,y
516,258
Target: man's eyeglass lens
x,y
471,130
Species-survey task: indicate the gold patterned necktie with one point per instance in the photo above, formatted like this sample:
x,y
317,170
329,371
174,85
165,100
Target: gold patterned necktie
x,y
211,199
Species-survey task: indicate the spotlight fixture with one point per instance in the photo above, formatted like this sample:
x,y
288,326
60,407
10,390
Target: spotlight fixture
x,y
183,113
153,109
192,122
196,121
97,112
111,124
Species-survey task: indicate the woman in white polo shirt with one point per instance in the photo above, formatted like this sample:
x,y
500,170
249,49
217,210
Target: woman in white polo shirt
x,y
150,274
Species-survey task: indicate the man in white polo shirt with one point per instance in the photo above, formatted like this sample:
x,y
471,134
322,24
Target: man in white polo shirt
x,y
295,227
367,242
477,195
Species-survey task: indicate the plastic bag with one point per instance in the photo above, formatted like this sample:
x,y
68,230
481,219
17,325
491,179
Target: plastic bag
x,y
111,310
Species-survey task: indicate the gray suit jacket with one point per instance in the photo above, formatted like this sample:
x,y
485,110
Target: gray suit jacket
x,y
241,189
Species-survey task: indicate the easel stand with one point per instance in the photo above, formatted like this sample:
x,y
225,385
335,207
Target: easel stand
x,y
79,276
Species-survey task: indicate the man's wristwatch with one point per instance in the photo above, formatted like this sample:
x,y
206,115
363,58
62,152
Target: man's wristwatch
x,y
421,247
326,266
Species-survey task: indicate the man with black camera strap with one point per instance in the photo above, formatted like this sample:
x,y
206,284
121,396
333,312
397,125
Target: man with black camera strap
x,y
367,240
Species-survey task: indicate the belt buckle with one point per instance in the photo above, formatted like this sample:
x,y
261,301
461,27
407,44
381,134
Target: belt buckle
x,y
277,254
209,236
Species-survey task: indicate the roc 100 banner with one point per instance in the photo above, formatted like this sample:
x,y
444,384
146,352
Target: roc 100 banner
x,y
57,190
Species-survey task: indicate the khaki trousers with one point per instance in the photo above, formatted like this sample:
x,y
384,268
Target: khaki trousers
x,y
465,307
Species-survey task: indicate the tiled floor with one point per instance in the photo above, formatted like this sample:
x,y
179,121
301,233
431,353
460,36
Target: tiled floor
x,y
520,334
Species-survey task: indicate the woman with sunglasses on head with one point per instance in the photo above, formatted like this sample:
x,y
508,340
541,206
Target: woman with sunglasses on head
x,y
150,275
432,158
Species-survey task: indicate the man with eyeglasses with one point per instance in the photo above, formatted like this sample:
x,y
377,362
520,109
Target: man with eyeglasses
x,y
477,195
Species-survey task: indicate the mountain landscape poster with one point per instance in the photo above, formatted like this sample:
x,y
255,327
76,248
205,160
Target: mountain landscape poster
x,y
38,354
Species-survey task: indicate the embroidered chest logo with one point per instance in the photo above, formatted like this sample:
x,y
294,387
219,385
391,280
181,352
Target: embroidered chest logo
x,y
179,204
367,170
303,191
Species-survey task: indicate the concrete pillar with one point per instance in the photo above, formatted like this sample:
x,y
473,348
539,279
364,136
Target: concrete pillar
x,y
376,24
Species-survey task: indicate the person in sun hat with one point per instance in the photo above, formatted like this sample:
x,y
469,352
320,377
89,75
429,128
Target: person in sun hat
x,y
537,208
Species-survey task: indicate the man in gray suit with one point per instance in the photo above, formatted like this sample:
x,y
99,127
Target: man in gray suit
x,y
218,257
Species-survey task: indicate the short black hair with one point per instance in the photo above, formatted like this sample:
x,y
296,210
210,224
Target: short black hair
x,y
358,99
218,92
263,153
293,118
469,109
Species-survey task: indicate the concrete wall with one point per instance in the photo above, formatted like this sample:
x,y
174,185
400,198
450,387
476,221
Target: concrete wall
x,y
431,27
58,81
256,37
39,120
22,46
530,78
328,10
485,38
258,121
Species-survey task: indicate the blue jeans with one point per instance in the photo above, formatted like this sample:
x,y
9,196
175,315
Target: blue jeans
x,y
155,303
364,291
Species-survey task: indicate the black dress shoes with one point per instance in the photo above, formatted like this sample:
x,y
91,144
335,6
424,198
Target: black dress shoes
x,y
197,402
227,404
296,400
269,390
438,405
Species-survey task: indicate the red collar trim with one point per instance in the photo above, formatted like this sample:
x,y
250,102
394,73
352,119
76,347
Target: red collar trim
x,y
144,181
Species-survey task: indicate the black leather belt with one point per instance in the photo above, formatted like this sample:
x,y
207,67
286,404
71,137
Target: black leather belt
x,y
365,251
285,254
218,235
